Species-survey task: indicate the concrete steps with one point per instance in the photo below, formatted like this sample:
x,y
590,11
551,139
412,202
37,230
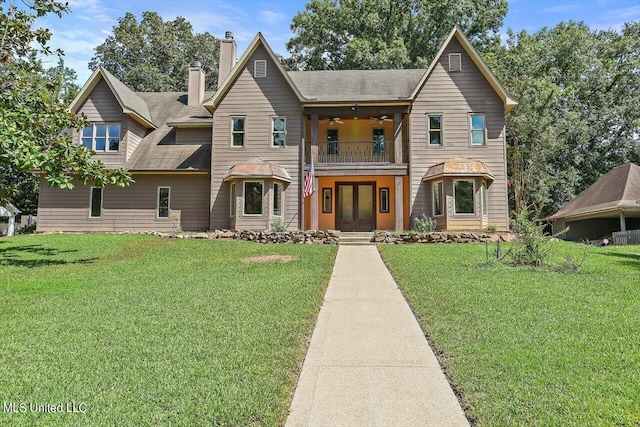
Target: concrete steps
x,y
356,238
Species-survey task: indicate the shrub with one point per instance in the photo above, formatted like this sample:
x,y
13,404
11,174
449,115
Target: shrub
x,y
277,225
491,229
424,224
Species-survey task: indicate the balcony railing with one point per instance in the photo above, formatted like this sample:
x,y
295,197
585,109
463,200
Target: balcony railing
x,y
353,152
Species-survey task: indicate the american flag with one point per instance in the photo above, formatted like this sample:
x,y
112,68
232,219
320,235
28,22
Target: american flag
x,y
307,189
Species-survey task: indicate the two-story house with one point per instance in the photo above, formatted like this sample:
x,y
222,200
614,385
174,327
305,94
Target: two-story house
x,y
386,146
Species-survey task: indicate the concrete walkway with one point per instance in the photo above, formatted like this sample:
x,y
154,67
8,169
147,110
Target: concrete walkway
x,y
369,363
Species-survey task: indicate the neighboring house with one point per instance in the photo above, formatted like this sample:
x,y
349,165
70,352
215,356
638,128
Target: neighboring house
x,y
8,219
387,146
611,204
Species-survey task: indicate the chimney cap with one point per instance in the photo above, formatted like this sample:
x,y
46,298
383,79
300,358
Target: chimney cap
x,y
228,35
196,64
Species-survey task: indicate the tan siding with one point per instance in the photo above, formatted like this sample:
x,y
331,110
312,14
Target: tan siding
x,y
135,133
455,95
258,100
127,209
193,135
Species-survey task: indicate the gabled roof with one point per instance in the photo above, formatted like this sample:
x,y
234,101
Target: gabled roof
x,y
616,190
458,166
131,103
509,103
357,85
258,168
257,41
9,210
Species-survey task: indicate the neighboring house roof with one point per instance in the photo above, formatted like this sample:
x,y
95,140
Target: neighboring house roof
x,y
158,150
132,104
9,210
509,103
458,166
258,168
616,190
357,85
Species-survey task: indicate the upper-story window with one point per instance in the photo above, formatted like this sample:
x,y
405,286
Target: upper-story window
x,y
434,123
278,130
332,141
237,131
378,141
478,132
101,136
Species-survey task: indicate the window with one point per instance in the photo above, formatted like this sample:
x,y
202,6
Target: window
x,y
434,124
277,199
278,131
95,204
477,129
232,200
259,68
163,202
102,136
485,200
332,141
327,203
438,198
237,131
384,200
378,142
253,191
455,62
463,193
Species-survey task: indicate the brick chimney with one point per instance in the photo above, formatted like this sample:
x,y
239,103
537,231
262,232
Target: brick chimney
x,y
195,93
227,61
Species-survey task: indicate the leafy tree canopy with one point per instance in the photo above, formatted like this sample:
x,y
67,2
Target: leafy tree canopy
x,y
34,121
377,34
154,56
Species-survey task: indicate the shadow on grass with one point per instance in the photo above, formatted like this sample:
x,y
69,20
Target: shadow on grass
x,y
23,256
626,259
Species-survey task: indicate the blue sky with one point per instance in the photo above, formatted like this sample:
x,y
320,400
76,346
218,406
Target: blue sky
x,y
91,21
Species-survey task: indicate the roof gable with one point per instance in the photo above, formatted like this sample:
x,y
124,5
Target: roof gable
x,y
509,103
131,104
228,82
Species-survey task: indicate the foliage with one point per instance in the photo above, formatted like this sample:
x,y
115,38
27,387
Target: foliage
x,y
374,34
277,225
29,229
491,229
155,331
425,224
34,122
154,56
530,346
532,247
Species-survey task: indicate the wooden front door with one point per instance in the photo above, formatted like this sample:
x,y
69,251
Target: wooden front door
x,y
356,206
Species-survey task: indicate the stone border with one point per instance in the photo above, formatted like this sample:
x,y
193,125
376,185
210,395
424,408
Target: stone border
x,y
329,237
439,237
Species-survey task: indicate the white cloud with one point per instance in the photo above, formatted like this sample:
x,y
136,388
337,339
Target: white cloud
x,y
271,17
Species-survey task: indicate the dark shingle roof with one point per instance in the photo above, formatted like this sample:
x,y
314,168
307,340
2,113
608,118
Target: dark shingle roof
x,y
357,85
620,187
128,99
158,150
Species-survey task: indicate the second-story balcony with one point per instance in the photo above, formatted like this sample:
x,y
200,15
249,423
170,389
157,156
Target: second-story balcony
x,y
334,152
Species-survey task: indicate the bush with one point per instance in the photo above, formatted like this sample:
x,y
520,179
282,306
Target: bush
x,y
30,229
491,229
277,225
424,224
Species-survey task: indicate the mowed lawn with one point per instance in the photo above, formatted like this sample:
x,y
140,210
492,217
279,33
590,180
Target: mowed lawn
x,y
531,347
140,330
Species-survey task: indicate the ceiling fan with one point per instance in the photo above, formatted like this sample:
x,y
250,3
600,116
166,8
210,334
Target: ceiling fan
x,y
381,119
333,120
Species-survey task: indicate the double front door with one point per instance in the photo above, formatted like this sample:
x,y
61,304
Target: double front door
x,y
356,206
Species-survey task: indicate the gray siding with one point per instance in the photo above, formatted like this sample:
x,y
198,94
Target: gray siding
x,y
455,95
135,133
193,135
258,100
127,209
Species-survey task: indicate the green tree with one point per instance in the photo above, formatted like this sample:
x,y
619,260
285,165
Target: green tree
x,y
154,56
64,78
377,34
34,123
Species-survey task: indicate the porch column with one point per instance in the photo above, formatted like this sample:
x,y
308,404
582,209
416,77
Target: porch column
x,y
397,138
623,222
399,203
314,156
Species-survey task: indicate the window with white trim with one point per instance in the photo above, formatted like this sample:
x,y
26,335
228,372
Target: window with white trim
x,y
464,196
437,193
95,203
434,125
253,194
237,131
278,131
101,137
277,199
485,200
232,200
478,129
164,194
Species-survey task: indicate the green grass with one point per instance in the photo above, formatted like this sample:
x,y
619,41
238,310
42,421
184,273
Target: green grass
x,y
531,347
148,331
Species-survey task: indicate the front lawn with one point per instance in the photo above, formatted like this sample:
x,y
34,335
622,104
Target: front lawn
x,y
530,347
139,330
